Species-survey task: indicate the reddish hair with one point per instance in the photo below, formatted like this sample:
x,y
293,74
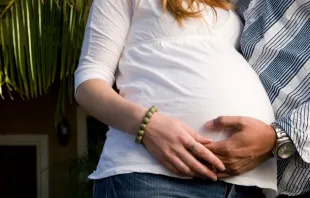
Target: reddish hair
x,y
177,10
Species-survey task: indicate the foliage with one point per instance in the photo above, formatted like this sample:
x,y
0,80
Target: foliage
x,y
82,166
40,45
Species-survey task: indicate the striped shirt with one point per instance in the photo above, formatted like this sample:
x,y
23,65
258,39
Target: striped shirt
x,y
276,42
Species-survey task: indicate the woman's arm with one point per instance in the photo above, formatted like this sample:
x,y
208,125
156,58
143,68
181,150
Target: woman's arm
x,y
102,102
167,139
105,35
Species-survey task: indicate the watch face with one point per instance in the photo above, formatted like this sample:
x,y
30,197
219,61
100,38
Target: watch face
x,y
286,150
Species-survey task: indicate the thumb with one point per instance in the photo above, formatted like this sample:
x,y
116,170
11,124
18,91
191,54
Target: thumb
x,y
223,122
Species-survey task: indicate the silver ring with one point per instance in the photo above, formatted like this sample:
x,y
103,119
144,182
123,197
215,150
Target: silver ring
x,y
193,146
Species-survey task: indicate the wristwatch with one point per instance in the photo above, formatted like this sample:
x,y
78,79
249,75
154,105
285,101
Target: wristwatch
x,y
284,147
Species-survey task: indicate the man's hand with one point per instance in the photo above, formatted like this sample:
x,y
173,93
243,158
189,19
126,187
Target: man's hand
x,y
249,146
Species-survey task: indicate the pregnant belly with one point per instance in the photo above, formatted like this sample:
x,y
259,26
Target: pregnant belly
x,y
243,98
196,88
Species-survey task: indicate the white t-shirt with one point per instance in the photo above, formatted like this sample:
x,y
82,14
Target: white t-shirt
x,y
193,73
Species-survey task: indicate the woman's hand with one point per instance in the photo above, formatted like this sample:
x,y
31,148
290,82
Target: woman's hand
x,y
175,146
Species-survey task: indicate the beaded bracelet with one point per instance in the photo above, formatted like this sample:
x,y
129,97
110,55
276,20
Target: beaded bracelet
x,y
145,121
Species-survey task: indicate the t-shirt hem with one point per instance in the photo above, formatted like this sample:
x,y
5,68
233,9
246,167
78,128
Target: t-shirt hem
x,y
158,170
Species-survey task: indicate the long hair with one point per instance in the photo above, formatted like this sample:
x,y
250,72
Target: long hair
x,y
179,12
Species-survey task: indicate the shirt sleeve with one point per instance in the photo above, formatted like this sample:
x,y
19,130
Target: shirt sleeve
x,y
105,35
297,125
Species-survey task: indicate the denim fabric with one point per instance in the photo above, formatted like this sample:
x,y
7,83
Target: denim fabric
x,y
141,185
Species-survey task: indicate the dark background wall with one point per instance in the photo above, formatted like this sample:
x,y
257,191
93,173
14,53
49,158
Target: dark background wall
x,y
37,117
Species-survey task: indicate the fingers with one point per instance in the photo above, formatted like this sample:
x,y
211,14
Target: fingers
x,y
229,173
218,148
206,155
171,168
223,175
202,152
181,167
239,166
234,171
224,122
196,166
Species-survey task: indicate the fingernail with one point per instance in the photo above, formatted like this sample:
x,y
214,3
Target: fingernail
x,y
214,179
222,167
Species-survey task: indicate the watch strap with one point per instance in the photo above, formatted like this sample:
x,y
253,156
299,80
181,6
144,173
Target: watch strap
x,y
282,138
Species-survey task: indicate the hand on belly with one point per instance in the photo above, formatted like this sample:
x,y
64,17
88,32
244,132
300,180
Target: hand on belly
x,y
249,146
175,146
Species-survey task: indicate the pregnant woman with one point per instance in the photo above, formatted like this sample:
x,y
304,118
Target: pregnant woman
x,y
180,58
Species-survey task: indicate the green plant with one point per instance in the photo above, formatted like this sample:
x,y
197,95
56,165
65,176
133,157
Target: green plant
x,y
81,167
40,45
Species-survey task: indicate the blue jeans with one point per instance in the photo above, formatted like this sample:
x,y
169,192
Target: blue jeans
x,y
142,185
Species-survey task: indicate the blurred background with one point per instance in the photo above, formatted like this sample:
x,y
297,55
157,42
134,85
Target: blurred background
x,y
48,145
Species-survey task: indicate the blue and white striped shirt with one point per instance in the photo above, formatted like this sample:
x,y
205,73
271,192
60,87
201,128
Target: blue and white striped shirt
x,y
276,42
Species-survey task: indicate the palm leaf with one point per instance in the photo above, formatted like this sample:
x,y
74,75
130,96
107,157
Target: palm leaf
x,y
40,45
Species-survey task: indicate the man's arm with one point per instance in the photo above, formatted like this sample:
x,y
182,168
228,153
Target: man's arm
x,y
297,125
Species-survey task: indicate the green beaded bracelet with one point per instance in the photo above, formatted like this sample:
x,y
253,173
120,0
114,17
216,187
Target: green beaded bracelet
x,y
145,121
